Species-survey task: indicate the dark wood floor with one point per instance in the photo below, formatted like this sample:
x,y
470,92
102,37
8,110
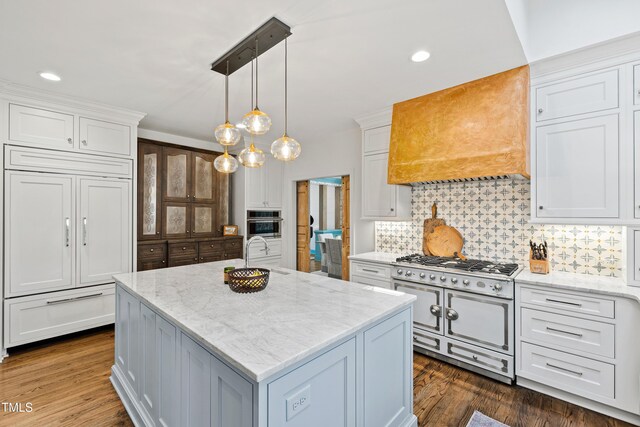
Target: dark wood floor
x,y
67,382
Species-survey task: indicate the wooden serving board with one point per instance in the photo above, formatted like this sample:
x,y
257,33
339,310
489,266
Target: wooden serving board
x,y
445,241
429,225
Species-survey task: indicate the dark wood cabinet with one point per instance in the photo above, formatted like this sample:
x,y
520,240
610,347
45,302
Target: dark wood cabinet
x,y
169,253
184,202
149,191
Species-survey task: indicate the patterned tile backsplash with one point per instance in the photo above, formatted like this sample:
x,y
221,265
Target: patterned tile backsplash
x,y
493,219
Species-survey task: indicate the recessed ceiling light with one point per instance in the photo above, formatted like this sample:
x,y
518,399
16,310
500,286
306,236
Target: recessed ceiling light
x,y
50,76
421,55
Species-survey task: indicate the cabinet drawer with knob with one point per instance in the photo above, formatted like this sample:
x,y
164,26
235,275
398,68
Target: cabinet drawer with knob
x,y
183,250
585,94
154,252
232,245
212,247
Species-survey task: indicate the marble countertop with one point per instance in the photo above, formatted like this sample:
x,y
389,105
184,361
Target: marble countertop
x,y
378,257
603,285
262,333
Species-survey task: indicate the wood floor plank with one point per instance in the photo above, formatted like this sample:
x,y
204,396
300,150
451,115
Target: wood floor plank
x,y
67,381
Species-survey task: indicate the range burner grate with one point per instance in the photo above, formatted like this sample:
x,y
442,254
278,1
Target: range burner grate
x,y
470,265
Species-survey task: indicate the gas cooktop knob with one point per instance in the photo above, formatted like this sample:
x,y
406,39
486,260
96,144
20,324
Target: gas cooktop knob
x,y
454,280
432,276
466,282
497,287
408,273
443,278
422,275
399,272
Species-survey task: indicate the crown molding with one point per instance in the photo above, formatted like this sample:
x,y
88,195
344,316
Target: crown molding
x,y
376,119
22,93
608,53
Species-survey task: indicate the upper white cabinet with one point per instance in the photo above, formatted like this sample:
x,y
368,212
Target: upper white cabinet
x,y
636,151
40,127
380,197
97,136
104,229
636,84
579,95
264,185
381,201
39,220
62,130
577,168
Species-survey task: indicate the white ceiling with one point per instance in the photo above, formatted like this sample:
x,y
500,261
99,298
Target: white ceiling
x,y
547,27
346,58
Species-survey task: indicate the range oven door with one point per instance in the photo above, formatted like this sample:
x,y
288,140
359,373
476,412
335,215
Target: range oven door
x,y
427,310
478,319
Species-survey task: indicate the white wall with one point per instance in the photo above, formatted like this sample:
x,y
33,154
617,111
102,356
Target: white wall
x,y
332,154
551,27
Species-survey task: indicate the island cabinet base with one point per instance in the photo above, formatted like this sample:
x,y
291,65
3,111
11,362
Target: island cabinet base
x,y
166,378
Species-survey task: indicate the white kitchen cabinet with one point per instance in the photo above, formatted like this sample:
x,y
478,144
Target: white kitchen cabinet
x,y
577,169
578,95
39,218
104,229
98,136
40,127
371,273
636,256
300,398
36,317
167,354
195,386
381,201
231,397
148,371
127,344
387,377
636,150
636,84
264,185
379,198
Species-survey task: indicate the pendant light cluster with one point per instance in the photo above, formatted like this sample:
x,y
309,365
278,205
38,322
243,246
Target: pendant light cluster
x,y
255,122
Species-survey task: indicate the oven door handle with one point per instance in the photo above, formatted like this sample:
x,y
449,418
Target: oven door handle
x,y
451,314
436,310
265,220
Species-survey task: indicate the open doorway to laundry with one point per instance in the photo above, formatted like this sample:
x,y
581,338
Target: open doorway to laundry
x,y
323,229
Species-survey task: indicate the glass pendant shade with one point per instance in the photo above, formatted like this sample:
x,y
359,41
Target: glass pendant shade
x,y
227,134
252,157
256,122
225,163
285,148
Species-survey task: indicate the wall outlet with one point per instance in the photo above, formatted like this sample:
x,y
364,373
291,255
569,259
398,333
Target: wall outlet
x,y
298,402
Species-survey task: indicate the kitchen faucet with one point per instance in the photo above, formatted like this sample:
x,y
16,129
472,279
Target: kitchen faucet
x,y
246,248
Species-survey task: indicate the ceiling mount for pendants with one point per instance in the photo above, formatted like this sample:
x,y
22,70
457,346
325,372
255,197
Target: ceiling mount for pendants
x,y
267,35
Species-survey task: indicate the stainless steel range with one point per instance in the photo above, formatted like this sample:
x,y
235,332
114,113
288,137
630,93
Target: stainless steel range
x,y
464,312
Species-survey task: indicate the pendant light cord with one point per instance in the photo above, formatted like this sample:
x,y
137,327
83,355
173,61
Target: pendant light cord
x,y
251,104
226,95
285,86
257,73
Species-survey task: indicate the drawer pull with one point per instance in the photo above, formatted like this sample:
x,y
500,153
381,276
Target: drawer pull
x,y
474,357
575,334
577,304
184,248
565,369
151,250
58,301
370,271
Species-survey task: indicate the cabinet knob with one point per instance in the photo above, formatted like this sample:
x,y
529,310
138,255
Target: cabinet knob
x,y
157,232
540,207
163,261
392,209
540,111
151,250
184,248
201,259
193,231
211,245
187,196
84,142
195,259
70,141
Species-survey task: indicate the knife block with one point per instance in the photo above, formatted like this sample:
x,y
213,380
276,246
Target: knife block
x,y
538,266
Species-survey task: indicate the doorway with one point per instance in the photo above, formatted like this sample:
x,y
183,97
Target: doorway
x,y
323,233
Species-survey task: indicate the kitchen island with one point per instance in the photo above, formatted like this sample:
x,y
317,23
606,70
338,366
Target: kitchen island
x,y
306,351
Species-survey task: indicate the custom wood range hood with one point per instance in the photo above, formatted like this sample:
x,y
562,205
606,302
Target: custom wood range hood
x,y
477,130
